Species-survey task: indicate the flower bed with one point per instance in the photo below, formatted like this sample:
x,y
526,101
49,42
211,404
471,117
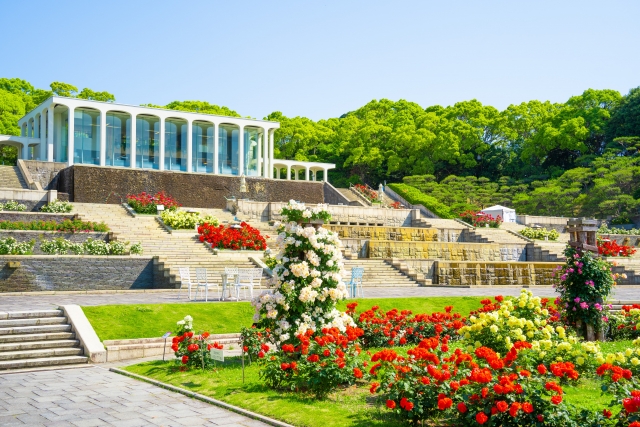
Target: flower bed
x,y
612,248
238,237
480,219
145,203
540,233
183,220
66,226
57,206
368,193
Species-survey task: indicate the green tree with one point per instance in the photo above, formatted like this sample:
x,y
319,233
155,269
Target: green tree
x,y
625,120
87,93
12,108
63,89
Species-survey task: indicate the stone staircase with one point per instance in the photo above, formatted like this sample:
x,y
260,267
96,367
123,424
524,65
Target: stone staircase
x,y
10,177
494,235
173,250
33,339
448,224
378,273
630,267
353,198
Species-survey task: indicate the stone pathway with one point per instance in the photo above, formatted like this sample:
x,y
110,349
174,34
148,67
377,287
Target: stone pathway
x,y
37,302
94,396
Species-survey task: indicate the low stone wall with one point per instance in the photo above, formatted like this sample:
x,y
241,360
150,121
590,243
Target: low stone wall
x,y
624,239
558,223
448,251
34,216
95,184
495,273
406,234
357,215
39,236
333,196
78,273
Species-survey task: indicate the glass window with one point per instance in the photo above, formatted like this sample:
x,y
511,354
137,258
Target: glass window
x,y
118,139
86,136
60,136
252,140
228,149
147,142
202,147
175,145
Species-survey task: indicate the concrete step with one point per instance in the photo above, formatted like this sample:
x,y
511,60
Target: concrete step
x,y
35,329
30,314
37,345
32,322
39,337
40,353
44,361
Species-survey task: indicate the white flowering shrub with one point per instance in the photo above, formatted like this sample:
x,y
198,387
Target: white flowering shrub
x,y
57,206
10,246
96,247
57,246
307,281
181,220
136,249
12,205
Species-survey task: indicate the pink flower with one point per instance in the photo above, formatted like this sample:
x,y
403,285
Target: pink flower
x,y
584,305
576,299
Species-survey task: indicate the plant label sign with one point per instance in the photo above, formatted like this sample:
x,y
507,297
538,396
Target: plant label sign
x,y
167,335
217,354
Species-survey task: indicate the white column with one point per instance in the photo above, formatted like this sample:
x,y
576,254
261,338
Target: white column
x,y
103,138
270,175
133,142
288,173
50,134
25,151
266,164
162,143
216,129
70,136
189,146
326,175
278,173
241,151
43,139
306,174
261,162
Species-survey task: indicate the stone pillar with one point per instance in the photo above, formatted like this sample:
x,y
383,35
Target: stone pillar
x,y
278,173
306,173
326,175
261,162
103,137
288,173
43,139
266,163
215,148
25,151
134,141
70,137
163,124
50,134
189,146
241,151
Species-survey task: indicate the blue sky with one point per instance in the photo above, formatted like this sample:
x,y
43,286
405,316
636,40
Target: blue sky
x,y
321,59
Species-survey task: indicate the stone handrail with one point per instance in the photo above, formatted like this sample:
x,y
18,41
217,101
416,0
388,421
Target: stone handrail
x,y
333,196
33,185
395,196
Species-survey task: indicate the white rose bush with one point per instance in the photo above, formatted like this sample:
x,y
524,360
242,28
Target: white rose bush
x,y
307,281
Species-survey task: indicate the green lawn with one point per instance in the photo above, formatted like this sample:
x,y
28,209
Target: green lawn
x,y
351,407
153,320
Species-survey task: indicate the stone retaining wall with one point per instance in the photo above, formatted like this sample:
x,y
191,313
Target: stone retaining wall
x,y
34,216
39,236
79,273
406,234
46,173
448,251
95,184
495,273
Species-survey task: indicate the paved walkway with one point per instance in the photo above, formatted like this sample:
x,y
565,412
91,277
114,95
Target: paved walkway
x,y
93,396
37,302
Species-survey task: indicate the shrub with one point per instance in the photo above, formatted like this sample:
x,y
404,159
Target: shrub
x,y
136,249
117,248
315,364
57,246
540,233
145,203
57,206
480,219
232,237
192,351
66,226
96,247
12,205
298,212
10,246
210,219
605,230
417,197
181,220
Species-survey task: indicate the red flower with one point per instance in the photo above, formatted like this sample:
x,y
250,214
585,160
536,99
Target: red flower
x,y
515,407
313,358
391,404
261,354
527,407
357,373
606,413
374,387
444,403
540,418
556,400
502,406
542,369
462,408
406,404
185,359
481,418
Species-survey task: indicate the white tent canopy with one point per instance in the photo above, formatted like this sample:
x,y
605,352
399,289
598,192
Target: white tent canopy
x,y
507,214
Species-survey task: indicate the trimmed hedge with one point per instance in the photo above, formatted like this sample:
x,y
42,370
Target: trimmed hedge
x,y
417,197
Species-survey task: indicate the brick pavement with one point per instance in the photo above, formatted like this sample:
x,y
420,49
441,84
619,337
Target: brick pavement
x,y
39,301
93,396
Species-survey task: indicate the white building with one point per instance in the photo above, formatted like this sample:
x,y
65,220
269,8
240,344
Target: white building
x,y
101,133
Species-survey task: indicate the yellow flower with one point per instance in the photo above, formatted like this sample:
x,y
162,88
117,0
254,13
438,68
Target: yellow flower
x,y
580,360
635,361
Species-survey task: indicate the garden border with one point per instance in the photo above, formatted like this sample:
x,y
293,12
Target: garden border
x,y
203,398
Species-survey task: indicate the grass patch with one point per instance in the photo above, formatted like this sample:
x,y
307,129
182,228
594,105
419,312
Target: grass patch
x,y
153,320
349,407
